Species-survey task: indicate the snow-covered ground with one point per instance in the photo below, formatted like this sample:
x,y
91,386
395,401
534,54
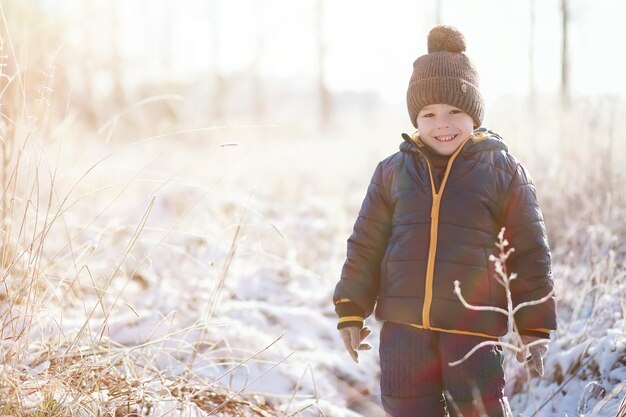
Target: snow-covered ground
x,y
233,251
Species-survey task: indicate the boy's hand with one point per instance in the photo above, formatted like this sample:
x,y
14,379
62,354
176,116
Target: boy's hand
x,y
353,337
537,348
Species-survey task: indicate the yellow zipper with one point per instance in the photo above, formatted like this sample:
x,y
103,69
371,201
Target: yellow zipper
x,y
434,228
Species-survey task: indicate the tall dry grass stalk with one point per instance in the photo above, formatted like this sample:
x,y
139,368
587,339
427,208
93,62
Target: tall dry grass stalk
x,y
45,371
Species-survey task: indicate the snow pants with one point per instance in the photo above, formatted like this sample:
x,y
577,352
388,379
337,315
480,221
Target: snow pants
x,y
416,379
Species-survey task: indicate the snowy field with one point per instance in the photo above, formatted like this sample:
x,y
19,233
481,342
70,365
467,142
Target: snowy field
x,y
190,264
152,266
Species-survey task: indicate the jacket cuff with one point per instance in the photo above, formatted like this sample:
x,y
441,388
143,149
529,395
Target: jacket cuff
x,y
350,314
541,333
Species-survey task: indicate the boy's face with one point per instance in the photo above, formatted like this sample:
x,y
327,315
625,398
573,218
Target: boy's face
x,y
444,127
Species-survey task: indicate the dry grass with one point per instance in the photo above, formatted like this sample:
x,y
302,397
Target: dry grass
x,y
112,383
44,261
60,254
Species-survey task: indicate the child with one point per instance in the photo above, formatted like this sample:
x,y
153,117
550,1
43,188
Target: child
x,y
431,216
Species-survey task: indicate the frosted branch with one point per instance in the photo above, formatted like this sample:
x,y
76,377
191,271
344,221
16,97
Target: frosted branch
x,y
482,344
504,279
533,302
457,291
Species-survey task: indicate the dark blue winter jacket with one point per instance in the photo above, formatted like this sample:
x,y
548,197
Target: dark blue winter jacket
x,y
415,236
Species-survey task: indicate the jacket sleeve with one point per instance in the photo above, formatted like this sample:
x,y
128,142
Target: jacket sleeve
x,y
360,276
531,261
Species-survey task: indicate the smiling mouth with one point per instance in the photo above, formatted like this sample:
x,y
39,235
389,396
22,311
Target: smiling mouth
x,y
445,138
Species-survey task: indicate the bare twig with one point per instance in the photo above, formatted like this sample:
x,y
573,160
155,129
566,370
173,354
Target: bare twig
x,y
250,383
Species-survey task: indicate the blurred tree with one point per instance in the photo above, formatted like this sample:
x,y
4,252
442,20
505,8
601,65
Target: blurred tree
x,y
531,52
258,107
219,83
166,31
116,62
565,88
438,13
324,95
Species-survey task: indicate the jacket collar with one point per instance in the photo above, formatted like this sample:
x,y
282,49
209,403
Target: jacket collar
x,y
484,140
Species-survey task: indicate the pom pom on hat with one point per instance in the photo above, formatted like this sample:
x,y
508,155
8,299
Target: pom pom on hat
x,y
445,38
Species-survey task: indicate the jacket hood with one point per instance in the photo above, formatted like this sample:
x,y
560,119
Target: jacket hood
x,y
484,140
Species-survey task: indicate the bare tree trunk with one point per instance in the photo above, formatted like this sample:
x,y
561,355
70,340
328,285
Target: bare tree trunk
x,y
165,52
115,57
531,52
438,13
218,87
324,95
565,87
258,107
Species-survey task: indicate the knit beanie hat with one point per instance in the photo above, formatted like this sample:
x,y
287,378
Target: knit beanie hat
x,y
445,75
